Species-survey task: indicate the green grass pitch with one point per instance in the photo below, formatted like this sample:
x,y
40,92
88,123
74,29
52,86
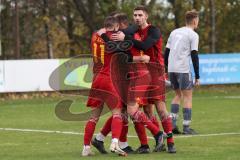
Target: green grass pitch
x,y
216,111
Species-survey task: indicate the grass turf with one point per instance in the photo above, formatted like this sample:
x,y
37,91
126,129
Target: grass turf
x,y
216,110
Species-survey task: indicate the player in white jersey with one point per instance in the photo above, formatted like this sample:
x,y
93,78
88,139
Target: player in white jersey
x,y
182,46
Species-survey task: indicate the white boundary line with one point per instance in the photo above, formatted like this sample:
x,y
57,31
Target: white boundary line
x,y
130,136
217,97
194,96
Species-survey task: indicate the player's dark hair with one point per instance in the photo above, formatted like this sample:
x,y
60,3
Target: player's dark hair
x,y
142,8
190,15
110,21
122,18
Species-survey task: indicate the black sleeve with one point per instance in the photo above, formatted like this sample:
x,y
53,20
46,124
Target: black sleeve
x,y
105,37
116,50
166,55
195,61
130,57
128,54
131,29
153,36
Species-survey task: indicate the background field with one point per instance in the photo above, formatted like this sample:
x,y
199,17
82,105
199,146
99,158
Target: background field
x,y
215,116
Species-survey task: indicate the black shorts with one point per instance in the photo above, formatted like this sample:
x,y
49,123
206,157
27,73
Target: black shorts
x,y
182,81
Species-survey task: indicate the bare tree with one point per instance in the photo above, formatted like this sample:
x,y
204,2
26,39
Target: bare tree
x,y
213,26
16,30
48,39
87,15
70,30
0,28
176,11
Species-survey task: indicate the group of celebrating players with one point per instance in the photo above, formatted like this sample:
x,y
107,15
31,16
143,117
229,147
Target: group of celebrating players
x,y
129,73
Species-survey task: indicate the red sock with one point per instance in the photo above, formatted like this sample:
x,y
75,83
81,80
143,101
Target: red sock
x,y
155,121
123,136
89,130
167,126
139,116
107,127
116,126
141,132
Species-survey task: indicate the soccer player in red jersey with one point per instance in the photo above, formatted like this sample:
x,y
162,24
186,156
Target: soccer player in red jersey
x,y
103,91
151,44
143,102
139,116
98,141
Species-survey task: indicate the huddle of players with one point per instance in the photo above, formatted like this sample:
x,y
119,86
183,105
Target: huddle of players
x,y
144,47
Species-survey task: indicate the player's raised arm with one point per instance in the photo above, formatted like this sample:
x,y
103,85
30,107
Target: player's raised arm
x,y
153,36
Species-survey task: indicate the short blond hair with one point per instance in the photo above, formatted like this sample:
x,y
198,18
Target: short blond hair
x,y
190,15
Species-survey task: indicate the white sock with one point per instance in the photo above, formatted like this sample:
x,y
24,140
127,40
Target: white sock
x,y
100,137
114,140
123,144
186,122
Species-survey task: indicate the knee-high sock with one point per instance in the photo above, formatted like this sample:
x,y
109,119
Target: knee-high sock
x,y
116,126
141,132
174,114
187,117
89,130
167,126
123,136
107,127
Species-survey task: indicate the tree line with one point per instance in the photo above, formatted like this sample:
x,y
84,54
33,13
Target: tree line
x,y
62,28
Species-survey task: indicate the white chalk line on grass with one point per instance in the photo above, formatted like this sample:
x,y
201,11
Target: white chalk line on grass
x,y
213,97
130,136
218,97
194,97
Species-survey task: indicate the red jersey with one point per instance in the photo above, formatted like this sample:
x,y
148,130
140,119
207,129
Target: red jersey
x,y
97,45
102,89
134,51
154,52
100,57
